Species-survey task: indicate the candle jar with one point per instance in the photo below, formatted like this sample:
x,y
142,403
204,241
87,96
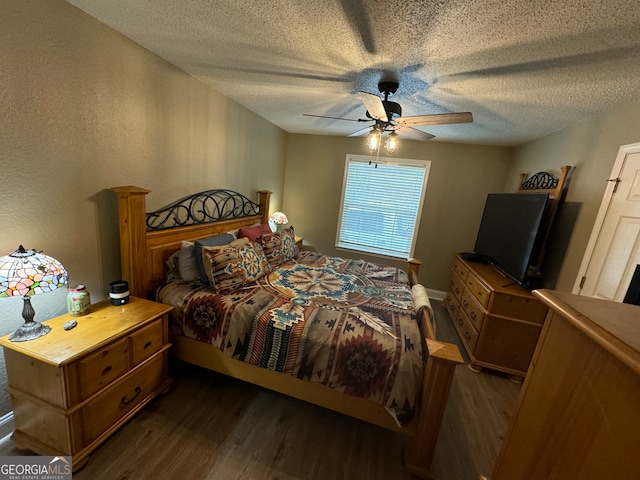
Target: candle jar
x,y
78,301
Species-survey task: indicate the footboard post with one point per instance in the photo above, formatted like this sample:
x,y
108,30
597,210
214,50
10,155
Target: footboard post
x,y
414,267
439,369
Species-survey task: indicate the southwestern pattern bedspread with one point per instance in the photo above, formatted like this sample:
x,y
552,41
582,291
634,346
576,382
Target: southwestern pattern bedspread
x,y
348,324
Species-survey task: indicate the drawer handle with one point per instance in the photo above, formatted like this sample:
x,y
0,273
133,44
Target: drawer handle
x,y
460,321
147,345
124,401
467,335
473,315
465,303
107,369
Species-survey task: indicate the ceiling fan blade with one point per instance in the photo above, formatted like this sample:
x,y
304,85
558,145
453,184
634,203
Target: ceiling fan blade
x,y
413,133
374,106
361,132
436,119
339,118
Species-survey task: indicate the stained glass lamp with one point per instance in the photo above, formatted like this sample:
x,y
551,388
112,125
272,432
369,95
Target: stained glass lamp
x,y
278,219
28,273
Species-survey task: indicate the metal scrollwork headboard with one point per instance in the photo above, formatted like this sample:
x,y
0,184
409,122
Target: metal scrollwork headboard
x,y
540,181
203,207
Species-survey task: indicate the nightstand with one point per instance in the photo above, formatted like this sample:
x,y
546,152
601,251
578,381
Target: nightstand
x,y
71,390
299,241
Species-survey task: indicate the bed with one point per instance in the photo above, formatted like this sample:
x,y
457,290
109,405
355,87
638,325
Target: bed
x,y
348,299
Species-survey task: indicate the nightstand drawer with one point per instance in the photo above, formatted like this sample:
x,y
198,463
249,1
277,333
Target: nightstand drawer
x,y
145,342
102,367
122,397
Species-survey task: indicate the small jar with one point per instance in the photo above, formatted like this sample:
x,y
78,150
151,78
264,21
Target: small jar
x,y
78,301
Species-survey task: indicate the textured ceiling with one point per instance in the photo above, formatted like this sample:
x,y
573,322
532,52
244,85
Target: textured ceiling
x,y
523,68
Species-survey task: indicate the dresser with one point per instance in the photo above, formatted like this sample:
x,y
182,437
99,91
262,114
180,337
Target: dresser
x,y
71,389
578,414
498,321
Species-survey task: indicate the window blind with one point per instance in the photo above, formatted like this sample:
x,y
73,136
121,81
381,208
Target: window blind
x,y
381,205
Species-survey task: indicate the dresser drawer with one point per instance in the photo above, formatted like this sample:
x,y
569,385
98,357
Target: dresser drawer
x,y
145,342
456,286
467,332
103,366
460,269
122,397
479,290
473,310
451,304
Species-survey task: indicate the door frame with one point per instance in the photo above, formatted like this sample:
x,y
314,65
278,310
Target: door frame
x,y
607,198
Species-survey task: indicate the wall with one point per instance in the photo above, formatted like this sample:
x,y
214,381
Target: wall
x,y
459,180
85,109
591,146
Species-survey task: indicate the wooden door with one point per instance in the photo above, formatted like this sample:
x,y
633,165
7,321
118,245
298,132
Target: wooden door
x,y
613,250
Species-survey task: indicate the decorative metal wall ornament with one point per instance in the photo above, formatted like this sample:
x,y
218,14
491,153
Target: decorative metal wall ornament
x,y
540,181
203,207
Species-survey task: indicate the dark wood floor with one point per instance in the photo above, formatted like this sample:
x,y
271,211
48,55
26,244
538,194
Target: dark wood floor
x,y
213,427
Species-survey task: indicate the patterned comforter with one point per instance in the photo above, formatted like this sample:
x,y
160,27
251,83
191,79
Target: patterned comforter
x,y
348,324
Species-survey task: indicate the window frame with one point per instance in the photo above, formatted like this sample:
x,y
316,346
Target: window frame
x,y
371,250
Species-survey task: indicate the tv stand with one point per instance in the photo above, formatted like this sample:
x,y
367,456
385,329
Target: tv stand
x,y
498,323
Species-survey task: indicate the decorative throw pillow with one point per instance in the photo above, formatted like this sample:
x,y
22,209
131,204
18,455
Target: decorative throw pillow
x,y
279,247
236,265
254,232
218,240
172,265
187,265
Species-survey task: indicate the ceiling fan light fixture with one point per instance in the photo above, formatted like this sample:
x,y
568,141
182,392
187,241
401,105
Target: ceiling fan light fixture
x,y
391,143
373,140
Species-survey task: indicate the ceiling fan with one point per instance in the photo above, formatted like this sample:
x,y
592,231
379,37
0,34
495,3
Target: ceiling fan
x,y
387,117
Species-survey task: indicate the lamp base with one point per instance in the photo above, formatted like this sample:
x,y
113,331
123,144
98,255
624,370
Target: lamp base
x,y
29,330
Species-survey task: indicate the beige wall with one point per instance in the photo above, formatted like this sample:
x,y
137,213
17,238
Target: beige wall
x,y
85,109
591,146
459,180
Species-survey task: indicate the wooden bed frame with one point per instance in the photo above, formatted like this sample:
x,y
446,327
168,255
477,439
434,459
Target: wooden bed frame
x,y
544,182
144,253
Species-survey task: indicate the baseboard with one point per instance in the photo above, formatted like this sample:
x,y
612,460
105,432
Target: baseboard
x,y
436,294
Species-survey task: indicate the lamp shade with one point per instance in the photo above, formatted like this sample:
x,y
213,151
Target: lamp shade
x,y
27,273
277,221
278,218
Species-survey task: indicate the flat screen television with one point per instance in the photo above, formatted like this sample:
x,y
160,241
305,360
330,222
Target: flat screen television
x,y
511,233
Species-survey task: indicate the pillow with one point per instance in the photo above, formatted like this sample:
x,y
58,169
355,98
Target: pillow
x,y
279,247
235,265
218,240
187,265
172,265
254,232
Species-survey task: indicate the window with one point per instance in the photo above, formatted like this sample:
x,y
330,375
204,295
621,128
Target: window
x,y
381,205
